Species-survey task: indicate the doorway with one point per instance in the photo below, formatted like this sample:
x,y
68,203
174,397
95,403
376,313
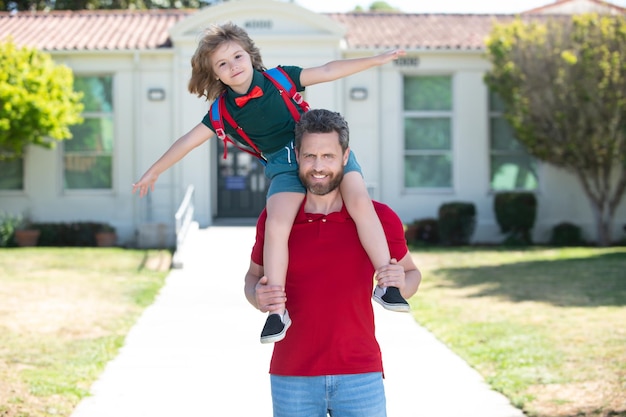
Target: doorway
x,y
241,184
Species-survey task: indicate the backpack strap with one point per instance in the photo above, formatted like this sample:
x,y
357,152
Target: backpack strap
x,y
216,118
217,110
283,83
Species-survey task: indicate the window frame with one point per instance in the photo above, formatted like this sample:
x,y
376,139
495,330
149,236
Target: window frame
x,y
427,114
494,113
17,191
86,114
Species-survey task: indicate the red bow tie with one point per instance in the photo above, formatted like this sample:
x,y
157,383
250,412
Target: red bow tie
x,y
255,93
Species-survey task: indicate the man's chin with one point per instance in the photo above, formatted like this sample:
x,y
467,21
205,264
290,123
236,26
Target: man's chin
x,y
319,189
322,187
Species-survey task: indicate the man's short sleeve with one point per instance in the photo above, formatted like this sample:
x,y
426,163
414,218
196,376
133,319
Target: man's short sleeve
x,y
394,230
257,249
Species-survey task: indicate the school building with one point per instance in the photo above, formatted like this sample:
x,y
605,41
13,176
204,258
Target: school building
x,y
424,128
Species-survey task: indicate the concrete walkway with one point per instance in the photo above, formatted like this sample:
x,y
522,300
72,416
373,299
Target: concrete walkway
x,y
196,352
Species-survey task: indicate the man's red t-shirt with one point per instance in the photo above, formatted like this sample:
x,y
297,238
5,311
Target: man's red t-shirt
x,y
329,288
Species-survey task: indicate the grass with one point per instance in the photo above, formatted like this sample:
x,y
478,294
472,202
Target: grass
x,y
64,313
546,327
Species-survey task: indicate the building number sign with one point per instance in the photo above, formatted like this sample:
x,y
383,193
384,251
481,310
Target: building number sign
x,y
408,61
258,24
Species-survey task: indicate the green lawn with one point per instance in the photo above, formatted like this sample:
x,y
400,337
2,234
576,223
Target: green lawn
x,y
64,313
546,327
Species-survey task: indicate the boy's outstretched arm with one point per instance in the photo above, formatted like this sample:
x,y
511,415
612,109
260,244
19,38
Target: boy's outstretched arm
x,y
195,137
342,68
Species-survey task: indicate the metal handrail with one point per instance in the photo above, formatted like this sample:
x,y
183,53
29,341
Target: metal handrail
x,y
183,218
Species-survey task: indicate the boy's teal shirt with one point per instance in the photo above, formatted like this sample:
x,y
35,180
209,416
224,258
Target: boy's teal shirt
x,y
266,119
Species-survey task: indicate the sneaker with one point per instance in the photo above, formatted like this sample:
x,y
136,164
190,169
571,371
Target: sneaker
x,y
275,328
391,299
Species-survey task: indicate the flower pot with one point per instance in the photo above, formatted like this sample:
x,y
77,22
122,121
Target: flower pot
x,y
28,237
106,239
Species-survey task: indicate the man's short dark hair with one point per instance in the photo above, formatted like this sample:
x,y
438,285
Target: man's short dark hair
x,y
323,121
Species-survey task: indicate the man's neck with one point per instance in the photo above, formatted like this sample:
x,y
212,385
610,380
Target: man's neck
x,y
323,204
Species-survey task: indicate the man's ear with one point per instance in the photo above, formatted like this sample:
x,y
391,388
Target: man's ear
x,y
346,155
297,155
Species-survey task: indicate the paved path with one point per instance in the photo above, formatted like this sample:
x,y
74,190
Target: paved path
x,y
194,353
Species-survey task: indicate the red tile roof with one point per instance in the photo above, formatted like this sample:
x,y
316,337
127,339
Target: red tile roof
x,y
598,6
102,30
91,30
417,31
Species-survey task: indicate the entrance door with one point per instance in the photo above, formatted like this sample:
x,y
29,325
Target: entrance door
x,y
242,185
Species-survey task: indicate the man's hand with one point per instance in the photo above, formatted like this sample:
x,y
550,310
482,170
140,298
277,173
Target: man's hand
x,y
269,297
391,275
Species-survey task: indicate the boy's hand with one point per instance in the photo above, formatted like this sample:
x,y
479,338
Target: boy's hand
x,y
145,183
391,55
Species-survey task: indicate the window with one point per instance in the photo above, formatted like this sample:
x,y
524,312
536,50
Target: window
x,y
88,156
428,132
12,177
512,168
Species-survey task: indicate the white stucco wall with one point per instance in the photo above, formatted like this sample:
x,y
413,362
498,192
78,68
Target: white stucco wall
x,y
145,129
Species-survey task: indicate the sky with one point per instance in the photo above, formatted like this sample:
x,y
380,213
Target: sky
x,y
433,6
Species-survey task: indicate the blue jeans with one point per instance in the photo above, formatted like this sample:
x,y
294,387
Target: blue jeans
x,y
358,395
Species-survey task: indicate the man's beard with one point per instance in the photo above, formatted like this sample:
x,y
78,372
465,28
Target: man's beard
x,y
321,188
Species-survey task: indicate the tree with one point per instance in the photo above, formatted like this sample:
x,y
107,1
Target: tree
x,y
376,6
25,5
563,83
381,6
37,100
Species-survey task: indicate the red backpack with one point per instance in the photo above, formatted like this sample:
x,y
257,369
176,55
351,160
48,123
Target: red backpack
x,y
283,83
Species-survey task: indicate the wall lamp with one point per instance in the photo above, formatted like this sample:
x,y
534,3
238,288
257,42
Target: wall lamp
x,y
358,93
156,94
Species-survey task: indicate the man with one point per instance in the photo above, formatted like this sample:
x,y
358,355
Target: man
x,y
329,361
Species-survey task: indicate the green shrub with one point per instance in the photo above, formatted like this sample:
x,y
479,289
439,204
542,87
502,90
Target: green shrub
x,y
566,234
81,234
68,234
8,224
456,223
423,231
516,213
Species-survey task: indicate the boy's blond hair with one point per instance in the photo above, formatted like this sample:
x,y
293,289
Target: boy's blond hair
x,y
203,80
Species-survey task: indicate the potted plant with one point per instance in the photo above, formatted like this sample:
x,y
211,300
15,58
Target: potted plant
x,y
106,235
25,233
